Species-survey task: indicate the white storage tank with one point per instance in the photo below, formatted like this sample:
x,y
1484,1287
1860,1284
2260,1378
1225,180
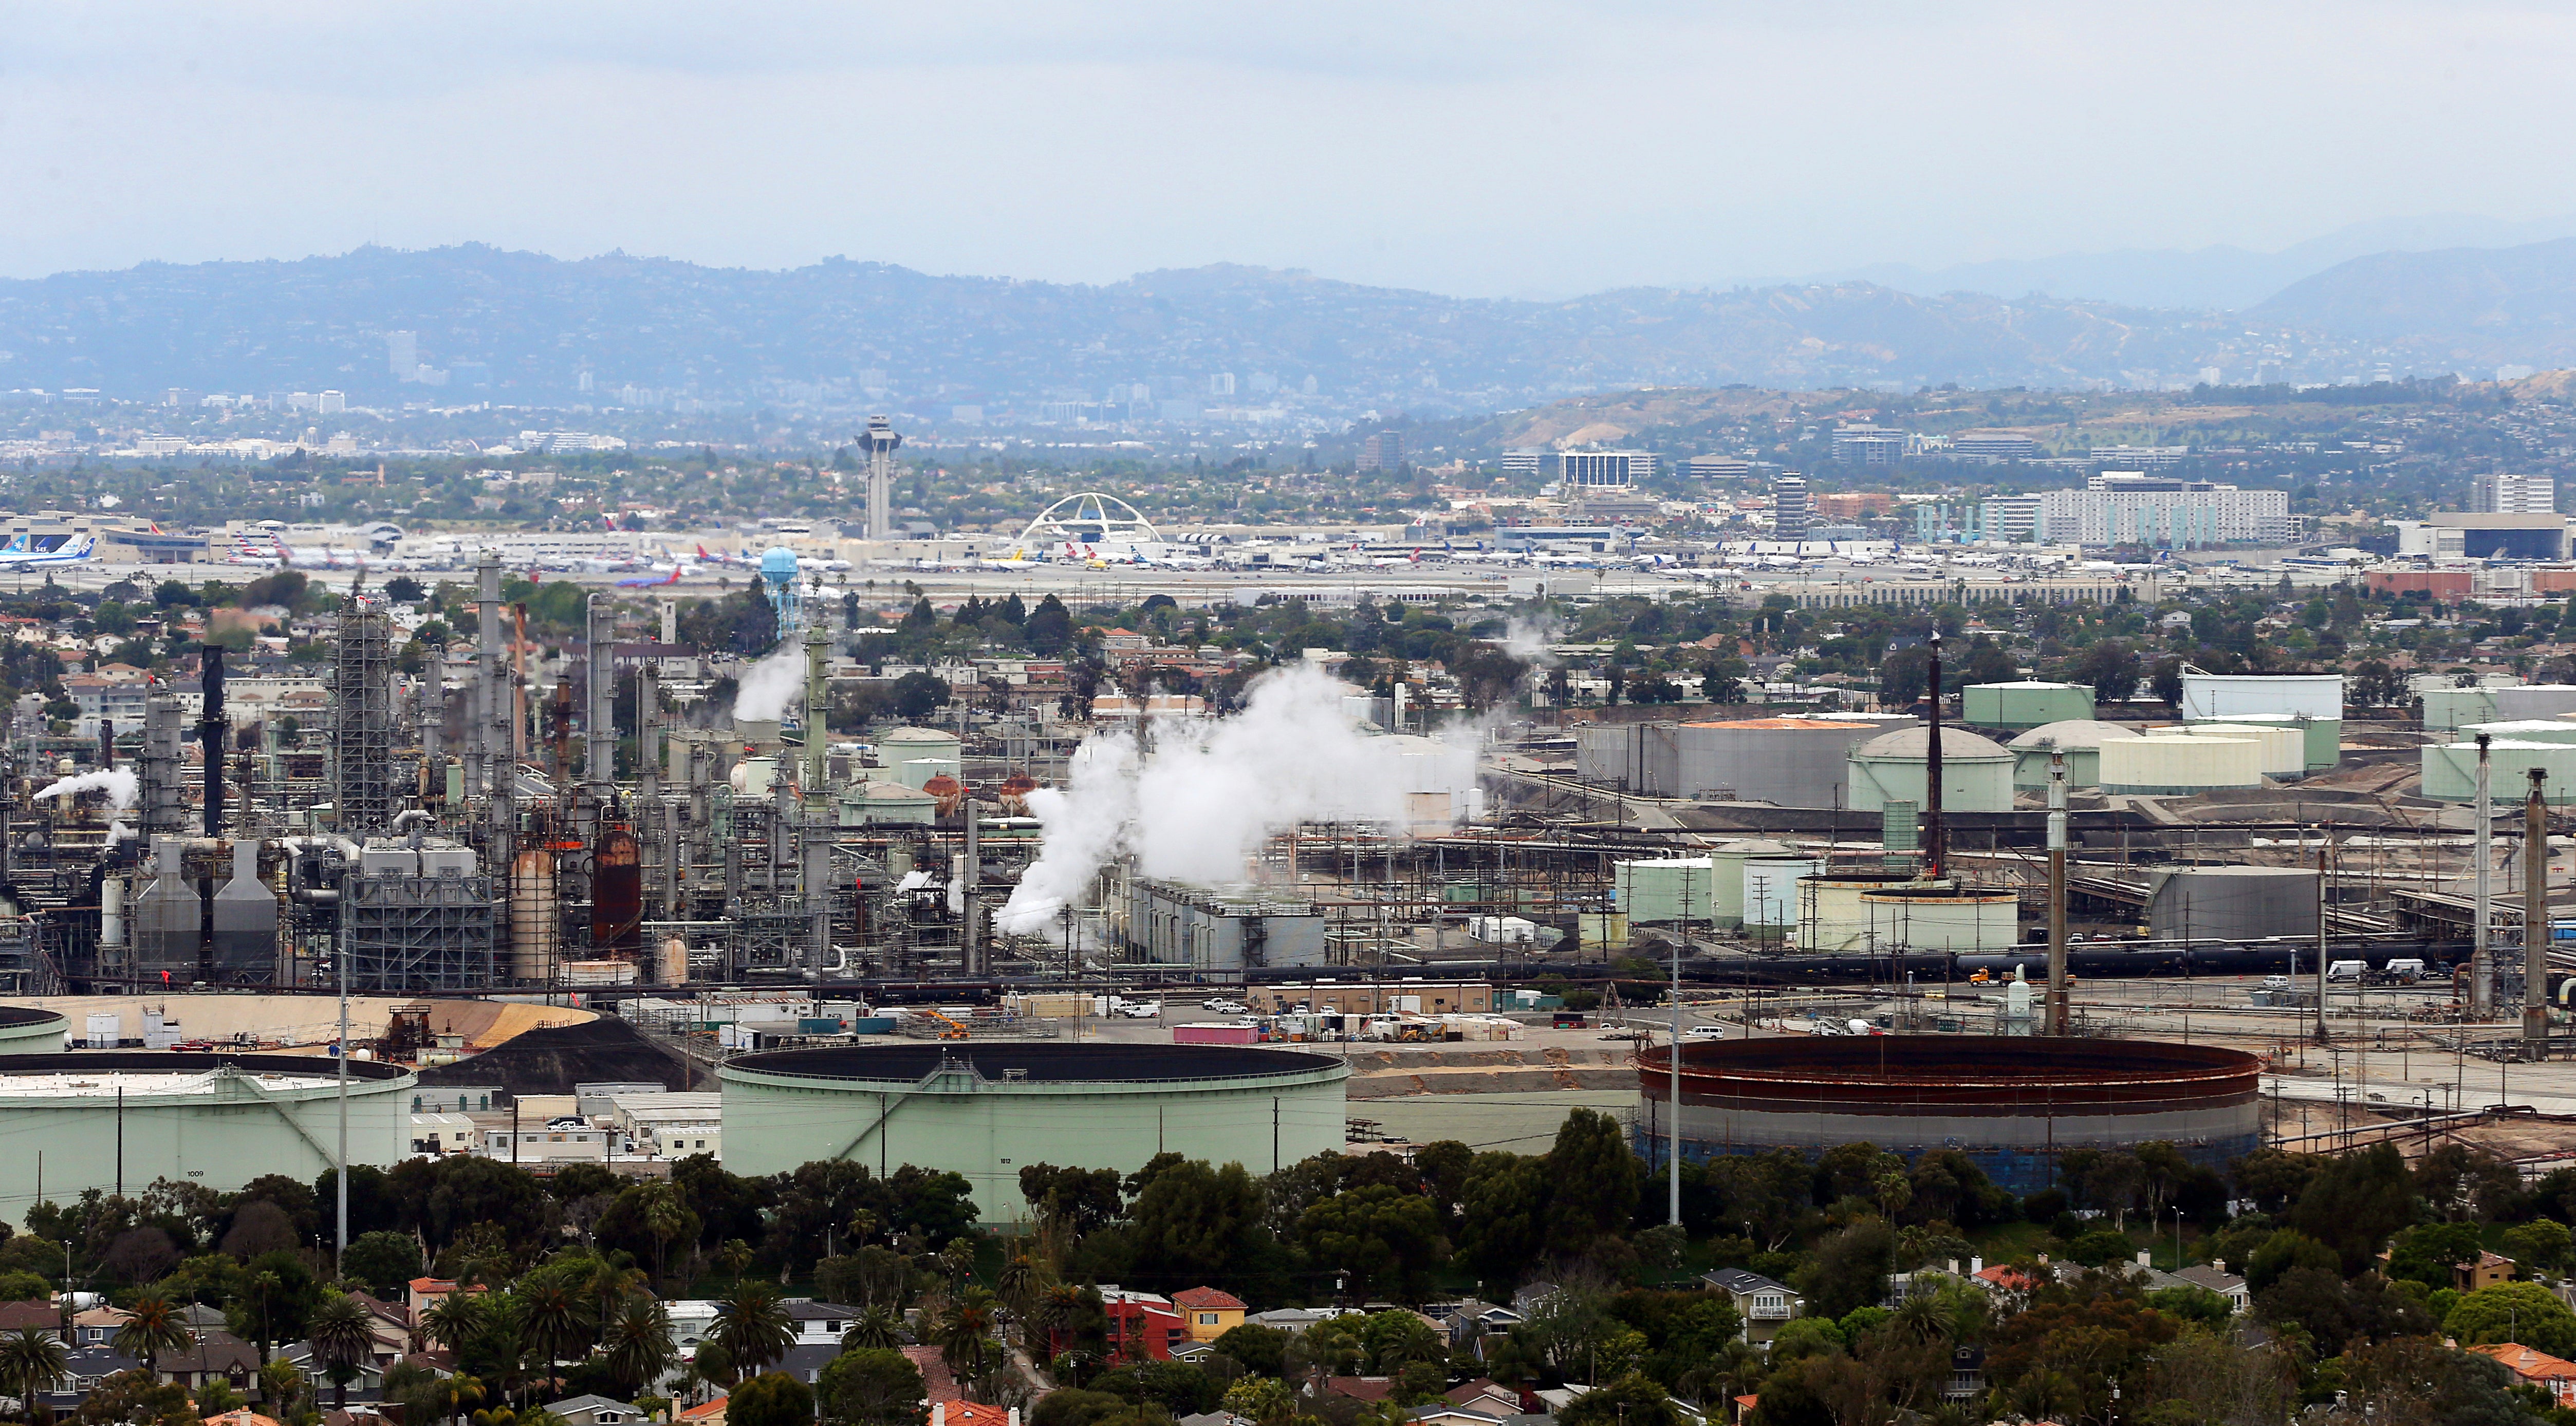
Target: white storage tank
x,y
1941,918
2285,748
2449,708
2181,765
2324,736
1771,892
2222,697
1976,772
2080,739
913,756
2451,772
1438,780
1678,889
1833,912
1726,861
2534,700
2523,730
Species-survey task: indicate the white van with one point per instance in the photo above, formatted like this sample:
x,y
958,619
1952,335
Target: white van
x,y
2406,972
2345,970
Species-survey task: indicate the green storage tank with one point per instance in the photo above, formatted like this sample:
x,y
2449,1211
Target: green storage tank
x,y
2015,707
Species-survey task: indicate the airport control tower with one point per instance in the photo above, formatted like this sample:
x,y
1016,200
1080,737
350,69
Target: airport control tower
x,y
880,441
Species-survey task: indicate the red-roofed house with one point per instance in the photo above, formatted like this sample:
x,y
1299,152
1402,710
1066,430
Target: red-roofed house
x,y
2556,1375
937,1382
1209,1313
706,1413
972,1413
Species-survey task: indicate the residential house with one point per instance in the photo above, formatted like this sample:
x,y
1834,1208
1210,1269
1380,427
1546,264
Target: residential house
x,y
96,1325
2555,1375
242,1417
1370,1389
2212,1277
589,1410
2487,1271
367,1380
1765,1306
972,1413
1485,1395
1143,1326
819,1322
1469,1322
938,1383
34,1314
1295,1320
1441,1413
422,1294
705,1413
1208,1313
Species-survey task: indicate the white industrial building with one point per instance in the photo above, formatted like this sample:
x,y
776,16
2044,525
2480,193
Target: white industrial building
x,y
2501,494
1594,470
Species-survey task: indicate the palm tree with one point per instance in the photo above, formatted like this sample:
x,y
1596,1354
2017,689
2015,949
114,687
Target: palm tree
x,y
1059,1309
30,1362
457,1320
664,1217
965,1335
459,1394
736,1256
863,1226
753,1328
638,1344
1019,1283
342,1337
554,1320
609,1283
876,1330
151,1328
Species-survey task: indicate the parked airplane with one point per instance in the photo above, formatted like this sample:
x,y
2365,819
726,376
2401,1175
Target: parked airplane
x,y
648,583
17,556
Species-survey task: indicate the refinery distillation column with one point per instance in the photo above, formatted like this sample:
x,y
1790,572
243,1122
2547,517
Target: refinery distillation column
x,y
2536,929
880,441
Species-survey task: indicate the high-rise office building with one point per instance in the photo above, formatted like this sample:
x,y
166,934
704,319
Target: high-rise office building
x,y
1791,514
1383,450
1593,470
1524,461
2513,495
402,355
1868,445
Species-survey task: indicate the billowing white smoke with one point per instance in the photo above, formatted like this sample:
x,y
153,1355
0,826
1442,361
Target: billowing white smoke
x,y
771,685
1528,639
118,832
1210,792
120,786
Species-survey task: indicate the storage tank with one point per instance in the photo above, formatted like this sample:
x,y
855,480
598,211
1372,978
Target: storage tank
x,y
986,1108
2323,736
2451,772
2231,903
1438,782
1791,762
2534,700
2449,708
532,917
938,752
245,921
2224,697
2017,707
1677,889
125,1119
876,804
2181,765
2523,730
2080,739
1976,772
2284,747
25,1030
753,776
1771,892
1831,915
1942,918
1726,865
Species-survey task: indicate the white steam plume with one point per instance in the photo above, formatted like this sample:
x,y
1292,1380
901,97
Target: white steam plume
x,y
120,786
118,832
770,686
1528,639
1210,792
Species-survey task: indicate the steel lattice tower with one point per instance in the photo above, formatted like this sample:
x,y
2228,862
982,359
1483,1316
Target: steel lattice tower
x,y
363,782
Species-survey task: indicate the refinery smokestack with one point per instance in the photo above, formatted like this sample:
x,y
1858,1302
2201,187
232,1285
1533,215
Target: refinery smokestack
x,y
880,441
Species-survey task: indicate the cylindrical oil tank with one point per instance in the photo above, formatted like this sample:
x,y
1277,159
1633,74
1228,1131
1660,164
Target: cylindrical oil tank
x,y
167,921
1675,890
217,1120
1791,762
1831,913
1976,772
2522,730
752,776
900,748
2012,1104
2014,707
2232,903
675,961
2451,771
245,921
2284,748
2228,697
2448,708
876,803
2323,736
984,1108
946,792
2534,700
616,894
1771,892
532,917
2181,766
1726,873
1940,918
25,1030
2080,739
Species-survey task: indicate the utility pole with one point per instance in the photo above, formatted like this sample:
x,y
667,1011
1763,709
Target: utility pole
x,y
2322,950
2481,954
2536,930
2057,1010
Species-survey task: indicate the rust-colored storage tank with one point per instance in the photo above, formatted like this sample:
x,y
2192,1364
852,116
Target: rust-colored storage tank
x,y
950,792
1015,794
616,895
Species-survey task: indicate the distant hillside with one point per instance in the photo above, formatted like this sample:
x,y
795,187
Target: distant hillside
x,y
2481,306
519,328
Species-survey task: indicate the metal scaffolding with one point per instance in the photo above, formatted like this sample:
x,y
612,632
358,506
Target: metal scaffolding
x,y
403,932
364,787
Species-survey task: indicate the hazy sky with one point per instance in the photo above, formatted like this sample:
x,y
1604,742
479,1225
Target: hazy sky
x,y
1493,147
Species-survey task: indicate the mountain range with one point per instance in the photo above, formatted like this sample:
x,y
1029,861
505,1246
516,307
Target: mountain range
x,y
518,328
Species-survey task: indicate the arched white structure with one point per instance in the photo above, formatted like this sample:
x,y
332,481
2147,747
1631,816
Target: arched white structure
x,y
1088,525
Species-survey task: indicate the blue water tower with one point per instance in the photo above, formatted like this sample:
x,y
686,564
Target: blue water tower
x,y
778,573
